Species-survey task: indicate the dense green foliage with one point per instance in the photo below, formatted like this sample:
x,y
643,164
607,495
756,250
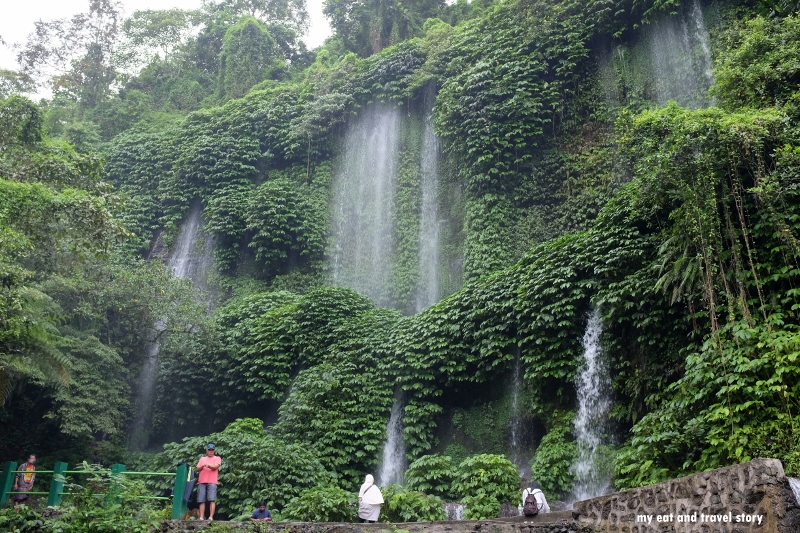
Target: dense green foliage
x,y
488,475
568,189
554,456
405,505
432,474
321,504
256,466
87,513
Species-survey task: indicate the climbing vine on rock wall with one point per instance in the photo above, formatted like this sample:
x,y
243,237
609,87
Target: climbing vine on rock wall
x,y
694,170
342,412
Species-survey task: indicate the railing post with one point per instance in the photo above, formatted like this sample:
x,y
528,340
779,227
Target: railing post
x,y
178,505
7,481
57,484
113,483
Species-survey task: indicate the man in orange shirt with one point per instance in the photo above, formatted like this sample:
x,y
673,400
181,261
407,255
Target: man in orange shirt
x,y
207,479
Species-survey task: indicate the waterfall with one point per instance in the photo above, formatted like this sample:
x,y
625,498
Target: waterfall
x,y
362,211
516,420
594,405
429,224
681,59
795,484
393,460
138,433
186,260
454,510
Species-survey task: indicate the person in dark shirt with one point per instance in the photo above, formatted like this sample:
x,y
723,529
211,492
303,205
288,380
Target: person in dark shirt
x,y
261,514
23,481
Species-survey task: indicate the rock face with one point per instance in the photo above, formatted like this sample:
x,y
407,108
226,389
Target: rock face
x,y
745,498
752,497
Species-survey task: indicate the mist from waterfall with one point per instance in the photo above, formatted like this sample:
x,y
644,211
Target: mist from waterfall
x,y
145,391
362,209
192,254
670,62
516,420
794,483
428,291
680,57
594,405
191,258
393,459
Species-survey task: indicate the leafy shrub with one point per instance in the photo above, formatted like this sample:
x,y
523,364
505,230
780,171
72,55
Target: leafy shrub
x,y
23,519
550,465
758,63
256,466
490,475
432,474
84,512
403,505
322,504
481,507
287,224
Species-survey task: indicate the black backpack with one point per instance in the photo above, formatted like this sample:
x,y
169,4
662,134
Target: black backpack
x,y
530,508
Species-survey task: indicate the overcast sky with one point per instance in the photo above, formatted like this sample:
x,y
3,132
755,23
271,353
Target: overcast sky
x,y
18,17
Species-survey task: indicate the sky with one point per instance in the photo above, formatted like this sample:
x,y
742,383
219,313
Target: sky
x,y
18,17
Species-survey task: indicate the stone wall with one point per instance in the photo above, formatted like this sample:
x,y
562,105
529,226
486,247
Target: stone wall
x,y
753,497
567,525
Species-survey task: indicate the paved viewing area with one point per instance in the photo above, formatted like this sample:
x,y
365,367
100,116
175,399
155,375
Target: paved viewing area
x,y
754,497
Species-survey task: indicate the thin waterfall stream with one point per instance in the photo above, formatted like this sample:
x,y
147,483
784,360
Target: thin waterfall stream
x,y
516,420
428,290
393,459
594,405
794,483
189,261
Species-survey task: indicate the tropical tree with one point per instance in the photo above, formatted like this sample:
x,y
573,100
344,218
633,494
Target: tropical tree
x,y
76,55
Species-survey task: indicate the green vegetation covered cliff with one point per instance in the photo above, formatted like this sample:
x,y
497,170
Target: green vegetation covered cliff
x,y
641,158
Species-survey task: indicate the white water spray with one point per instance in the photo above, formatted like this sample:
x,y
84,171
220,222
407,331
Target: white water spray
x,y
186,260
362,208
454,510
430,223
795,484
681,59
594,404
393,461
146,390
516,419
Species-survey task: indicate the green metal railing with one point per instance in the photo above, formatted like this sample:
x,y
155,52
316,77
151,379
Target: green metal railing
x,y
59,471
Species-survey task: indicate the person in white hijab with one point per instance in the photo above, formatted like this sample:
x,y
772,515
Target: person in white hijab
x,y
369,500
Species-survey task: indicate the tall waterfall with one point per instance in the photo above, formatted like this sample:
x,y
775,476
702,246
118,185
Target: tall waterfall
x,y
393,460
681,59
594,404
428,291
516,420
191,258
363,205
